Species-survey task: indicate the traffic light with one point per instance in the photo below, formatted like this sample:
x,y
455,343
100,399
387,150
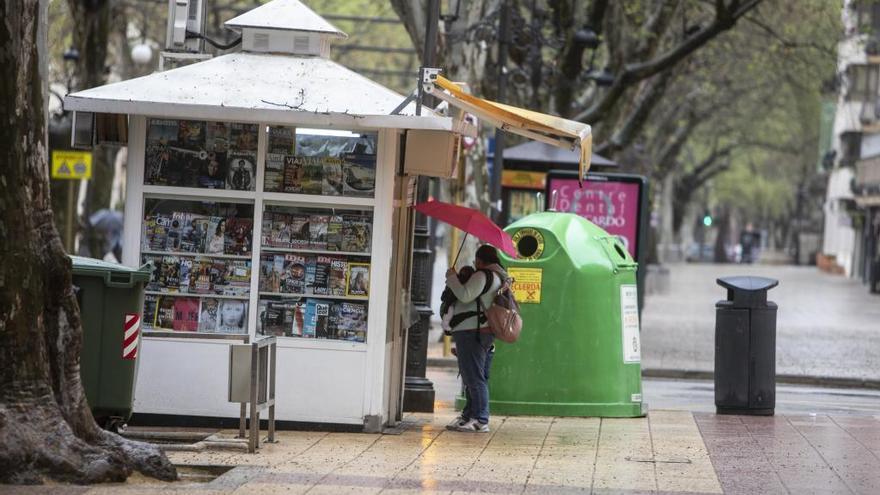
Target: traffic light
x,y
707,219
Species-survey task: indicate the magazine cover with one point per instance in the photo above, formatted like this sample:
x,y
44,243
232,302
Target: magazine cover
x,y
357,281
213,170
238,278
182,225
333,321
155,264
159,238
266,231
270,318
173,232
317,318
149,232
218,276
338,267
164,313
239,234
313,174
215,241
161,135
356,234
185,273
209,315
242,171
186,314
233,316
201,276
170,276
331,182
321,281
318,231
359,173
334,232
280,233
294,318
217,137
270,277
300,230
243,137
191,134
281,140
274,181
352,321
294,275
150,304
199,233
294,173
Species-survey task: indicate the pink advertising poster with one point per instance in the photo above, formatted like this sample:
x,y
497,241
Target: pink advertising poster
x,y
614,206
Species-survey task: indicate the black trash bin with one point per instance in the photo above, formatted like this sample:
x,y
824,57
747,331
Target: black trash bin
x,y
745,347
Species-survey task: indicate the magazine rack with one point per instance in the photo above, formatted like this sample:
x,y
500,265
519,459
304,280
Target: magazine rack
x,y
252,381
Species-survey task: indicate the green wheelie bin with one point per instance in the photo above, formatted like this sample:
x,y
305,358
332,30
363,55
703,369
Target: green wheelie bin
x,y
110,298
579,351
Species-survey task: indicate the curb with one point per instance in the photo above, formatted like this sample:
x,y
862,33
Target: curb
x,y
817,381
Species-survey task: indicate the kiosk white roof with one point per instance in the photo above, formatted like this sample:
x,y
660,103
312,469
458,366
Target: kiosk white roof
x,y
290,15
254,87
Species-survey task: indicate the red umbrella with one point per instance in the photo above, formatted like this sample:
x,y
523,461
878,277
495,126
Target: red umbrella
x,y
470,221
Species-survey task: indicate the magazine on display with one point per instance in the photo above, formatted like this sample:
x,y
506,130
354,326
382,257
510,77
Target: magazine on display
x,y
318,231
351,321
281,140
282,318
164,316
239,235
217,137
185,272
209,315
294,174
242,171
321,281
201,276
155,264
335,224
338,268
294,274
243,137
359,175
233,316
357,281
316,318
238,278
312,174
150,305
274,181
356,234
331,183
186,314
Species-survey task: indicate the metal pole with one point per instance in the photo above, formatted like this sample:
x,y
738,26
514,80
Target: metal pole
x,y
429,55
271,397
498,160
71,214
254,441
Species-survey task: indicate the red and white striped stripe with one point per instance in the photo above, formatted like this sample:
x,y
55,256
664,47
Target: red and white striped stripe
x,y
130,338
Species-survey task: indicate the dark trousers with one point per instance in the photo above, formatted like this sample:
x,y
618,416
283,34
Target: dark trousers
x,y
475,352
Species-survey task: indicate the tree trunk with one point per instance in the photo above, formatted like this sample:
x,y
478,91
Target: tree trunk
x,y
46,428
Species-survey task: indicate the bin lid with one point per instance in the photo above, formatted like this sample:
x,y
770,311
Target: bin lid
x,y
112,273
747,283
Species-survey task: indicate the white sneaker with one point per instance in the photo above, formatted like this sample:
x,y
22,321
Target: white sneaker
x,y
458,423
473,426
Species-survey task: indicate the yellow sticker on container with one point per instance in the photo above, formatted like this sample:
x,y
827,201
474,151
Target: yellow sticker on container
x,y
526,284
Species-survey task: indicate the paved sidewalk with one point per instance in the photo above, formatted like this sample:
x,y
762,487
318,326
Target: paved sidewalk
x,y
827,326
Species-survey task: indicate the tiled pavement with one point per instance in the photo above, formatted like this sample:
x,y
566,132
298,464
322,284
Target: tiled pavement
x,y
666,452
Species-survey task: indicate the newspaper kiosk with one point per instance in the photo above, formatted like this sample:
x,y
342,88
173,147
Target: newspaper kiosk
x,y
268,189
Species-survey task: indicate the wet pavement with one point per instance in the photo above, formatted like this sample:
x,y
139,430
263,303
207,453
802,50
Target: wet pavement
x,y
821,441
828,326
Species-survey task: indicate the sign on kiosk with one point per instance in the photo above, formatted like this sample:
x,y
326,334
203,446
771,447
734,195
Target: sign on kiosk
x,y
72,165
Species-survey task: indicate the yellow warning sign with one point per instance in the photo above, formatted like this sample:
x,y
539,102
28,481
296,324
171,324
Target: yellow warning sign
x,y
72,164
526,284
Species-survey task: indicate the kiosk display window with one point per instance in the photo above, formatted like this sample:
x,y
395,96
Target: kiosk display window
x,y
307,161
196,153
314,273
200,256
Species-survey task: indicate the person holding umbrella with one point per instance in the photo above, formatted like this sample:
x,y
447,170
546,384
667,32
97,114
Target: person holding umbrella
x,y
474,341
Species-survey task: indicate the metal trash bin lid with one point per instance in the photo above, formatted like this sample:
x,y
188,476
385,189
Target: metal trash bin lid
x,y
114,274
